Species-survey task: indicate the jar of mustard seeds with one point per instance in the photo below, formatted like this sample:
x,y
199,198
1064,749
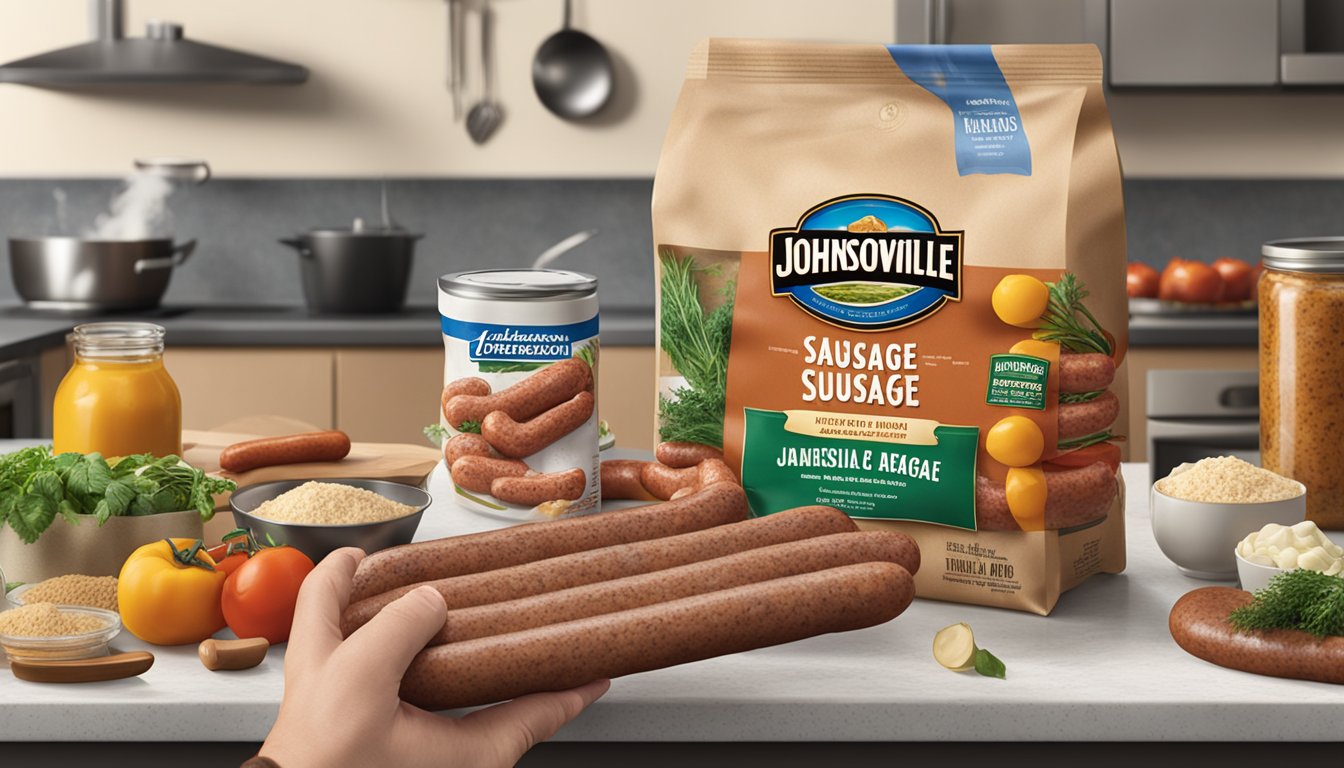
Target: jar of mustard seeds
x,y
1302,370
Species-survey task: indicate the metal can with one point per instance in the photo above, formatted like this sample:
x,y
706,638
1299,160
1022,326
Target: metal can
x,y
520,391
1302,370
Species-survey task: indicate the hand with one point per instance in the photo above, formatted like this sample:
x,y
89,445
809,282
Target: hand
x,y
341,706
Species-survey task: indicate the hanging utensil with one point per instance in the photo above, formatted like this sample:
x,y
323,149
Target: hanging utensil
x,y
564,246
180,169
572,73
486,116
457,55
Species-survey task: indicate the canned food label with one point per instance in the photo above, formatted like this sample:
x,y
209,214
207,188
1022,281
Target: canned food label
x,y
1018,381
520,343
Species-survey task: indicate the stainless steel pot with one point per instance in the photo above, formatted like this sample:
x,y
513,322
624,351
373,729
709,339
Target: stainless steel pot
x,y
359,270
73,273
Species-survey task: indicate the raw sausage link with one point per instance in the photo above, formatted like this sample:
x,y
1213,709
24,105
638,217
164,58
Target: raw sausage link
x,y
750,567
715,471
566,655
663,481
680,455
441,558
617,561
465,444
620,480
470,385
1080,419
331,445
531,490
515,439
527,399
1199,624
477,473
1073,497
1085,372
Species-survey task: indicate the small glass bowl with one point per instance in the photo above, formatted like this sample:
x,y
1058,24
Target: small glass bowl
x,y
86,645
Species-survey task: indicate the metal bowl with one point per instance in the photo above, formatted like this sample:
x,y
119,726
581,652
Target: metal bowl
x,y
317,541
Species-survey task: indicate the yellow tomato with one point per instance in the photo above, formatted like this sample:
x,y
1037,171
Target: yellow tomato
x,y
1025,491
170,595
1020,300
1015,441
1048,350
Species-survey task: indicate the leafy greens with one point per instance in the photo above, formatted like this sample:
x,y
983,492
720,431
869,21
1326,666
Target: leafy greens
x,y
36,486
697,342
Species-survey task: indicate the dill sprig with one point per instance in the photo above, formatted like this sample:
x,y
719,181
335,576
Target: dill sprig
x,y
1060,323
1082,442
1081,397
697,342
1305,600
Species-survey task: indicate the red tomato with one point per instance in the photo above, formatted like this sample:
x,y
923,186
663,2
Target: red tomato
x,y
1141,281
1238,277
225,562
1107,452
259,597
1190,281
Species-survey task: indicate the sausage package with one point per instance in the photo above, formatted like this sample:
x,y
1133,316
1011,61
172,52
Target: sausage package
x,y
891,280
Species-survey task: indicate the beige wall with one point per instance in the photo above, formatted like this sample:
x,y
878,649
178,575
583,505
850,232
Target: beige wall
x,y
377,104
377,101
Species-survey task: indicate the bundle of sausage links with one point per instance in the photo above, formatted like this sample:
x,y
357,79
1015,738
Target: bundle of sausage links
x,y
553,606
680,468
514,423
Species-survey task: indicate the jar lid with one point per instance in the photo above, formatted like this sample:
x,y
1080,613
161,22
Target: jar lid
x,y
518,284
1305,254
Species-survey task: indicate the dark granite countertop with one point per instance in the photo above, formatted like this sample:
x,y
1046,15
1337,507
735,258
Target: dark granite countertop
x,y
1194,331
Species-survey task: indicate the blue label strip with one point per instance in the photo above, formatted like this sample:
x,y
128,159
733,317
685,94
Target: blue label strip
x,y
493,341
987,125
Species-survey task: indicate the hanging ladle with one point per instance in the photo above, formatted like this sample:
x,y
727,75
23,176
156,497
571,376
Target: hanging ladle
x,y
572,73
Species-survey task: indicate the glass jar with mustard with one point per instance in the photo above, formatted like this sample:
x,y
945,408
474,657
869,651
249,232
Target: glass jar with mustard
x,y
1302,370
118,399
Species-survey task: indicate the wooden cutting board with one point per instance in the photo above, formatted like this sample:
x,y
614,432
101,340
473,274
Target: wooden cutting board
x,y
397,462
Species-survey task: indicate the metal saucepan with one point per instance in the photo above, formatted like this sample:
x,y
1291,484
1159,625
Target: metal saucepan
x,y
355,270
71,273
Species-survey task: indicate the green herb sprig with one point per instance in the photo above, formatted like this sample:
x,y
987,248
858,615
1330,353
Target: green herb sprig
x,y
1060,323
36,486
697,342
1305,600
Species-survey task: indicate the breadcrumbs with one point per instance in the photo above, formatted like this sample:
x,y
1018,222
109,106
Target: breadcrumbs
x,y
76,589
1227,480
46,620
315,503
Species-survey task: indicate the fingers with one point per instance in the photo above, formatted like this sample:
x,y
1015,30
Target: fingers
x,y
384,647
316,631
517,726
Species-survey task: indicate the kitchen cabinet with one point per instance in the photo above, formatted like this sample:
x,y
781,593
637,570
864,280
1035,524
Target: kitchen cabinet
x,y
1143,359
374,394
220,384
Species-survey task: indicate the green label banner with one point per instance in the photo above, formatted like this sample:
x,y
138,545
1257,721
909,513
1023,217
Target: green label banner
x,y
1018,381
877,467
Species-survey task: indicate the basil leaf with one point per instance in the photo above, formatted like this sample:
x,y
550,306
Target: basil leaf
x,y
117,499
48,484
32,516
87,480
989,665
9,499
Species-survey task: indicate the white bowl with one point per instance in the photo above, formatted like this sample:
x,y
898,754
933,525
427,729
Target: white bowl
x,y
1254,576
1201,537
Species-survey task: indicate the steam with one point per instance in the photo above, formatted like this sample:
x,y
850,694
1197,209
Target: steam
x,y
139,211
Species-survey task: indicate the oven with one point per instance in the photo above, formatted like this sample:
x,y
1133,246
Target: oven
x,y
1193,415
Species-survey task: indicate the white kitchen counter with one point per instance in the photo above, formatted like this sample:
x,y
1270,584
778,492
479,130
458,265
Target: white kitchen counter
x,y
1102,667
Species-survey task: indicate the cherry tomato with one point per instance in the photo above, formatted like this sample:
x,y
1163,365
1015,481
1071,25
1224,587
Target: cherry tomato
x,y
259,597
1238,277
1083,457
1193,282
1141,281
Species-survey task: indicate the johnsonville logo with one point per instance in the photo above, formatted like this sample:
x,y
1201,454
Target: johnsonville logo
x,y
869,263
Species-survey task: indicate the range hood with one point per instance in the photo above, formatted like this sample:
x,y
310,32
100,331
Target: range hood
x,y
163,55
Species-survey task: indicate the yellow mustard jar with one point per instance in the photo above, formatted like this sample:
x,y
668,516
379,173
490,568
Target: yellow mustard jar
x,y
118,399
1302,370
